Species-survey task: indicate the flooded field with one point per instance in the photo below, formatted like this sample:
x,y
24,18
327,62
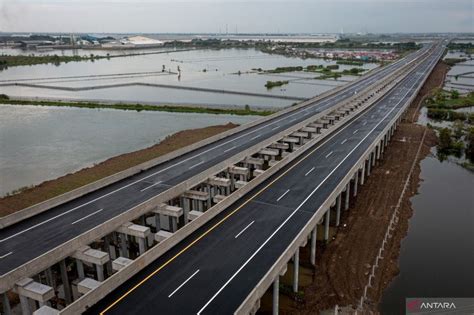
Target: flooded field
x,y
227,69
41,143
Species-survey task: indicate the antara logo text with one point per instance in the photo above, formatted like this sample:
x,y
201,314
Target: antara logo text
x,y
437,305
418,305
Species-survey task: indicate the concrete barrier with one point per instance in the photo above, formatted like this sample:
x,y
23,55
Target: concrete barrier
x,y
81,191
274,271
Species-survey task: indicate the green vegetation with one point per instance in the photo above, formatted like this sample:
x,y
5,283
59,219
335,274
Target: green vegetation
x,y
140,107
353,71
22,60
452,61
441,105
332,67
285,69
447,145
459,137
350,62
272,84
467,48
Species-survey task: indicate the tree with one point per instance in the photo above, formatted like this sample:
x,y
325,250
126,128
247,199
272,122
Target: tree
x,y
445,141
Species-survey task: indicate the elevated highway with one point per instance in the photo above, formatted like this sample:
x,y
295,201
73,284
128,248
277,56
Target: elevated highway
x,y
50,233
226,266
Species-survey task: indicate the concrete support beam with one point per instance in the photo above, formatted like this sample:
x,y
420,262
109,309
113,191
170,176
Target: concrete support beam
x,y
362,175
194,215
87,285
46,310
258,172
218,198
279,146
160,236
326,224
338,209
240,183
348,193
296,269
6,304
65,281
219,181
120,263
92,256
276,295
27,288
314,236
356,183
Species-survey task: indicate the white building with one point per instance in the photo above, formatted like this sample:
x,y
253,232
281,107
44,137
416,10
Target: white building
x,y
134,42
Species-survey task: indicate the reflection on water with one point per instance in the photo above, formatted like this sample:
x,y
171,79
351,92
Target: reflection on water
x,y
41,143
437,256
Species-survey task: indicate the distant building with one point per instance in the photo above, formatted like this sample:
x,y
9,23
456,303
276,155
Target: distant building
x,y
133,42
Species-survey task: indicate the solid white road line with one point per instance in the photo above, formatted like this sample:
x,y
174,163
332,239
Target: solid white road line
x,y
227,150
245,228
299,207
307,173
279,198
344,141
331,98
87,216
7,254
193,166
157,183
329,154
183,284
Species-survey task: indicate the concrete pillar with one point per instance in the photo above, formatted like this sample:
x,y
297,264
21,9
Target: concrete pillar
x,y
372,154
356,182
65,280
49,278
326,224
123,245
80,269
141,245
276,295
6,304
348,191
25,305
157,222
100,272
296,267
314,235
338,209
362,175
369,164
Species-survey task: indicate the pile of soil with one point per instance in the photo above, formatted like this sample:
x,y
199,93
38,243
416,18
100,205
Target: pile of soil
x,y
61,185
343,266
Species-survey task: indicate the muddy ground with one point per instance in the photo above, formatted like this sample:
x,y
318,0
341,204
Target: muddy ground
x,y
52,188
343,266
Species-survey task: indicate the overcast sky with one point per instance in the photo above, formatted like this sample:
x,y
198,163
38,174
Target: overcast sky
x,y
195,16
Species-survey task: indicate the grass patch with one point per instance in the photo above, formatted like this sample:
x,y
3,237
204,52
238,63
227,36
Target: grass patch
x,y
272,84
247,111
